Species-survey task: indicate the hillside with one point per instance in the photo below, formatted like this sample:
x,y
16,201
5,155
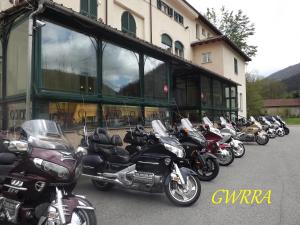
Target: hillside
x,y
290,76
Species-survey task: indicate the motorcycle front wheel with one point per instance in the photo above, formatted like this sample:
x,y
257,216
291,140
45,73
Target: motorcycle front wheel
x,y
227,160
84,217
239,152
210,172
262,140
181,196
287,131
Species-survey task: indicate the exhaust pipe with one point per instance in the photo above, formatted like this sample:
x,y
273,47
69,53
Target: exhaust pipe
x,y
104,179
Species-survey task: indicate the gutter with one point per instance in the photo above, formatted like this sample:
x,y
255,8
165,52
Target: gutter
x,y
29,58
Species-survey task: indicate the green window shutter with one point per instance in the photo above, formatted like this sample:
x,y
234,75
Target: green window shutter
x,y
128,23
159,4
125,22
166,39
93,8
84,7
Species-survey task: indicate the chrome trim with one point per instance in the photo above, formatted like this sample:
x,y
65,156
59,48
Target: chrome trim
x,y
85,207
152,163
18,188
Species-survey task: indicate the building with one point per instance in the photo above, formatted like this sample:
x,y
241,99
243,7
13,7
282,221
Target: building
x,y
128,61
283,107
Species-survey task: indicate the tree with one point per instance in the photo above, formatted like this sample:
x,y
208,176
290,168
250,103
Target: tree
x,y
236,26
253,92
272,89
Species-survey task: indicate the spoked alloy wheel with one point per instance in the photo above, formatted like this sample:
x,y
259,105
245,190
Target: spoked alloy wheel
x,y
83,217
226,160
239,152
280,133
211,171
184,196
262,140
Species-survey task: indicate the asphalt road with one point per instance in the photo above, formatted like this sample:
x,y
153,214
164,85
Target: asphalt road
x,y
275,166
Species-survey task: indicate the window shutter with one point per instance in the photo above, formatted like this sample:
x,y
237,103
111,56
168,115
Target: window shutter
x,y
93,8
159,4
132,25
170,12
125,22
84,7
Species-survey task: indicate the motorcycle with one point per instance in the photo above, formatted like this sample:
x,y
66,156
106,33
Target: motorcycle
x,y
268,127
283,124
155,168
251,131
277,126
40,171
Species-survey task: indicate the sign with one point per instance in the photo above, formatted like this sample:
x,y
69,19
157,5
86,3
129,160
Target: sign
x,y
166,88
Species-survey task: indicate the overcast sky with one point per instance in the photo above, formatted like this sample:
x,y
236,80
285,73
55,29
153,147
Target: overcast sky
x,y
277,30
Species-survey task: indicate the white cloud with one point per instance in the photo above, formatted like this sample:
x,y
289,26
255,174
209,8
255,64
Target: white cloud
x,y
277,31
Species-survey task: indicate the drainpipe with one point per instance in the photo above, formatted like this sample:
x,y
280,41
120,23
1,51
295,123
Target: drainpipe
x,y
29,58
151,21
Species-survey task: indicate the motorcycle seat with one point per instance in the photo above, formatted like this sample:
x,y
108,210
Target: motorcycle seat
x,y
112,153
7,158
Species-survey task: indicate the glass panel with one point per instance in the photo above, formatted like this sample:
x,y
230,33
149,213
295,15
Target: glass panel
x,y
205,88
180,92
233,101
217,93
233,92
120,71
121,116
68,60
193,115
69,115
17,59
156,113
16,114
155,79
193,92
128,23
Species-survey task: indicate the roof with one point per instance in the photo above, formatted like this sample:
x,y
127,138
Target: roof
x,y
282,102
226,40
107,31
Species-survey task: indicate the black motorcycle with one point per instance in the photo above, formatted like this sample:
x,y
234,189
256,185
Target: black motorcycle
x,y
155,168
39,172
283,124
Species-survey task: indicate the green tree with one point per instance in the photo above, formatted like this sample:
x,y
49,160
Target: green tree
x,y
236,26
272,89
254,98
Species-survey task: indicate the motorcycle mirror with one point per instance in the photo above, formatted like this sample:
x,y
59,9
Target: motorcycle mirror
x,y
18,146
81,150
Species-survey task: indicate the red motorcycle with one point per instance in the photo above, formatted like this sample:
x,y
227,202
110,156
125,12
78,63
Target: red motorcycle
x,y
39,172
223,152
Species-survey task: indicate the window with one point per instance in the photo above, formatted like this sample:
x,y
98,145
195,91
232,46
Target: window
x,y
155,79
203,32
233,98
206,57
155,113
217,93
120,71
205,91
179,49
178,18
128,24
164,8
236,68
89,8
69,60
16,114
198,31
208,35
167,42
121,116
69,115
241,102
17,54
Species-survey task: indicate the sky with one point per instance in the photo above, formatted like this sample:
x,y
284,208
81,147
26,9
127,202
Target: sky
x,y
277,31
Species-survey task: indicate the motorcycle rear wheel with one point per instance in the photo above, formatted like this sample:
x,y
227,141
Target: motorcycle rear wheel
x,y
180,197
287,131
84,217
208,175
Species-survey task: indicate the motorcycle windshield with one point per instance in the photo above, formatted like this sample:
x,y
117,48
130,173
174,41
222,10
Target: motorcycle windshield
x,y
223,121
192,132
207,121
159,128
45,134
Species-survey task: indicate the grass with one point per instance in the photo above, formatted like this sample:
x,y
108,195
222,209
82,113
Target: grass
x,y
293,121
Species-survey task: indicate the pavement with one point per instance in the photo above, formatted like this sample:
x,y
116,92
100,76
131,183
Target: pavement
x,y
275,167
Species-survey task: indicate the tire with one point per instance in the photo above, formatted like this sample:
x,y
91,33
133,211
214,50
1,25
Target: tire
x,y
287,131
86,217
102,186
173,190
281,133
260,141
214,173
243,151
230,160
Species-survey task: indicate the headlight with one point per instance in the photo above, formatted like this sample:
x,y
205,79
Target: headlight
x,y
177,151
52,168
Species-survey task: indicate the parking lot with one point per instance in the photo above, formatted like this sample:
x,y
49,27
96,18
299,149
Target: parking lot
x,y
274,166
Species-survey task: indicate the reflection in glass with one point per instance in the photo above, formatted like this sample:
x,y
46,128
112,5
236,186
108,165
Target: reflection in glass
x,y
217,93
17,59
155,113
193,92
120,71
69,114
193,115
16,114
205,88
68,60
155,79
180,91
121,116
